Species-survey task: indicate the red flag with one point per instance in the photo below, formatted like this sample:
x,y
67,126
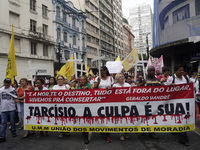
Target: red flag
x,y
159,64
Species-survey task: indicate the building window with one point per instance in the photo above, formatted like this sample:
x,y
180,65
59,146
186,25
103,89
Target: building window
x,y
197,7
64,17
166,22
32,5
33,48
45,29
58,34
83,42
33,25
65,36
73,22
181,14
44,10
58,11
45,50
83,24
66,54
74,39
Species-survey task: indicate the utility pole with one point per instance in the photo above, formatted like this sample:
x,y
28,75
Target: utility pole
x,y
147,42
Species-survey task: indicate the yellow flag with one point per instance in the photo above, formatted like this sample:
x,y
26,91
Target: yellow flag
x,y
91,72
118,59
11,70
67,70
130,60
86,69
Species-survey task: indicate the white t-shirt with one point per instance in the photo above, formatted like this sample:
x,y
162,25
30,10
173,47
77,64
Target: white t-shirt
x,y
196,84
7,99
176,81
125,85
57,87
105,83
44,88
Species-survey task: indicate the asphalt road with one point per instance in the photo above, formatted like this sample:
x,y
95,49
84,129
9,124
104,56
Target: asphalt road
x,y
75,141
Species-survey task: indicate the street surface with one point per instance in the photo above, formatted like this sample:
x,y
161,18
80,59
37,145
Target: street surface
x,y
75,141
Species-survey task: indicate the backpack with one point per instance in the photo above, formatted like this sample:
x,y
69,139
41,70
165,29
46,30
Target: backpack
x,y
173,81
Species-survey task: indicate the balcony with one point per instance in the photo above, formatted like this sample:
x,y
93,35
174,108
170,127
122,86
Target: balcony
x,y
83,30
65,44
84,49
59,19
75,47
75,28
66,24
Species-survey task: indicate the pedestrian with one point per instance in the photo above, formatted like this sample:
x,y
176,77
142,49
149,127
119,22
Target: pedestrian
x,y
195,81
61,86
179,78
130,81
120,82
8,96
40,87
52,82
151,80
25,86
165,75
83,84
104,81
18,111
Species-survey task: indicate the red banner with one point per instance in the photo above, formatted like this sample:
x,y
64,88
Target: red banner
x,y
141,107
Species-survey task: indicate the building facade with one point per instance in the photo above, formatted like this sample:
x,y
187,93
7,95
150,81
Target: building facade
x,y
32,24
176,33
128,38
107,47
69,34
118,29
91,10
140,18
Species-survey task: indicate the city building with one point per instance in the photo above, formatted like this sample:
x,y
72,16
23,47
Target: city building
x,y
104,27
107,47
69,34
128,37
176,33
91,10
140,18
34,46
118,30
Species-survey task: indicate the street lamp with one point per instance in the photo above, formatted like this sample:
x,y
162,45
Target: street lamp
x,y
147,42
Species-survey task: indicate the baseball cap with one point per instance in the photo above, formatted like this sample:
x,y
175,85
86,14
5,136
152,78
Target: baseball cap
x,y
7,80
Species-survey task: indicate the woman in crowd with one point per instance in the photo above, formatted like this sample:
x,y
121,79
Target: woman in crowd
x,y
40,87
163,78
129,81
104,81
120,82
61,86
83,84
52,82
73,85
20,96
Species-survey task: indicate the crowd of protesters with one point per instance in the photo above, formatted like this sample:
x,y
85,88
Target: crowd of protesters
x,y
12,96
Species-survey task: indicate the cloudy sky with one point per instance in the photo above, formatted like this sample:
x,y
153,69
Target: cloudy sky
x,y
127,4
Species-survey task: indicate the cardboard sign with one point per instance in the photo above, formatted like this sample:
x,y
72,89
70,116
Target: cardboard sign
x,y
114,66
